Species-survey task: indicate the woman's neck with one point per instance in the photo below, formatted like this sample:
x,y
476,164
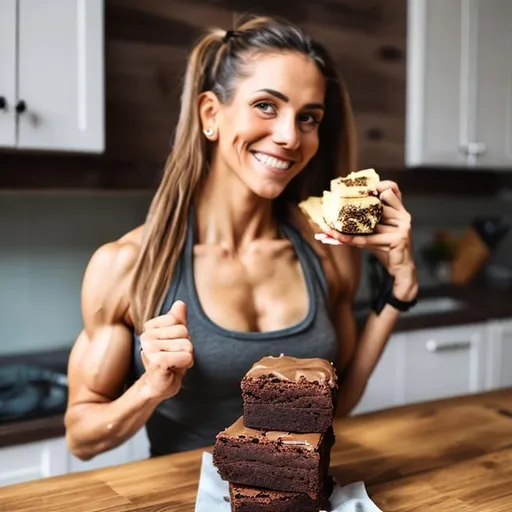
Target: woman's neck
x,y
228,213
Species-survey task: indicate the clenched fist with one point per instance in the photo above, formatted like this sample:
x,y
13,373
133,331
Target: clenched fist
x,y
167,352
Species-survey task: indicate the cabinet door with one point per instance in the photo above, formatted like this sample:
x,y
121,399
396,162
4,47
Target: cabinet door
x,y
446,362
7,72
435,113
493,78
385,387
61,75
32,461
500,355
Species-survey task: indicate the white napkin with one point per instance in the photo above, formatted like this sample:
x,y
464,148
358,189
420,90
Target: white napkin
x,y
213,493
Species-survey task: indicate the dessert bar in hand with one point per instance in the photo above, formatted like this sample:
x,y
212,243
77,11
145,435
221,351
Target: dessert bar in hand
x,y
350,206
253,499
278,461
289,394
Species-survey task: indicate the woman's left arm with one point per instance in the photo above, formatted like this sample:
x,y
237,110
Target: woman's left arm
x,y
391,244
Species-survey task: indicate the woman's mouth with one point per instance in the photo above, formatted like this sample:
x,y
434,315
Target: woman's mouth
x,y
272,162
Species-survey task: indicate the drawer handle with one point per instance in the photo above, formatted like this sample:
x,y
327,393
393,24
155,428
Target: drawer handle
x,y
434,346
3,103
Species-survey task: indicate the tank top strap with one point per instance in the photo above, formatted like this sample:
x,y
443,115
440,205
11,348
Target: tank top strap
x,y
305,251
185,255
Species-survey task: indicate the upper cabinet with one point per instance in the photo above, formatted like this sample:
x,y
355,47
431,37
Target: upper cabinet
x,y
7,72
459,83
52,75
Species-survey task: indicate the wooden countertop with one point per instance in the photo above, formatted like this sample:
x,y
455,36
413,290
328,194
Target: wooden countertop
x,y
448,455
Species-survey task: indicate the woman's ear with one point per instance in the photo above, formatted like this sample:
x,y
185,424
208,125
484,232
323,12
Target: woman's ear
x,y
208,108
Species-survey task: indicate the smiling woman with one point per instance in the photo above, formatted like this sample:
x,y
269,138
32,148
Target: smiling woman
x,y
226,269
268,137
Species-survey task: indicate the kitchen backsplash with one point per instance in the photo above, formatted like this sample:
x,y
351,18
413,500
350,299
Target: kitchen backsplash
x,y
47,238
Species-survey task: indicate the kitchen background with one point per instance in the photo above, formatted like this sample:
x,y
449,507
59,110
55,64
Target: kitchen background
x,y
90,186
48,238
89,94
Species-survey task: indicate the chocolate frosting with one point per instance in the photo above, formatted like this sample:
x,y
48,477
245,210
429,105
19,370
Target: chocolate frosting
x,y
293,369
238,429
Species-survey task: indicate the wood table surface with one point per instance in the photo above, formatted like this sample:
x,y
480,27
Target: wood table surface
x,y
451,455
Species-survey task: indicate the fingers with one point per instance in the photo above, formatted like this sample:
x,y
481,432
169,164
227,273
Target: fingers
x,y
168,332
179,312
389,197
167,361
166,345
388,185
165,342
176,315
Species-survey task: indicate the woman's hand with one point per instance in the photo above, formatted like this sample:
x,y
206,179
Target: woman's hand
x,y
166,352
391,242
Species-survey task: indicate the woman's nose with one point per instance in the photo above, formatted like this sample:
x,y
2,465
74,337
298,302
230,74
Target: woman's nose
x,y
286,132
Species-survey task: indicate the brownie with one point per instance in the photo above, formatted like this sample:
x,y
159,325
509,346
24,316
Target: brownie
x,y
289,394
280,461
253,499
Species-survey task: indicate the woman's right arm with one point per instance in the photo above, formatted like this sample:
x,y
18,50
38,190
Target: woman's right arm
x,y
101,414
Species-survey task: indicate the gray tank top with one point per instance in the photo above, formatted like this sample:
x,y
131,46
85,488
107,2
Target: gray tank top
x,y
210,397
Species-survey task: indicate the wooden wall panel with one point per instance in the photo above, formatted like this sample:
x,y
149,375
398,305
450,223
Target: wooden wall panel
x,y
147,46
148,43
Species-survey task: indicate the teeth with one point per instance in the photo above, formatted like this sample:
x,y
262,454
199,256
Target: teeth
x,y
272,161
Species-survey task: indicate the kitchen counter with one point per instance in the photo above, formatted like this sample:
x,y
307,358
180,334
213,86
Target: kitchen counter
x,y
453,454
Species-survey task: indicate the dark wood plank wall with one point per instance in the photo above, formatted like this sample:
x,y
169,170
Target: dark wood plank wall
x,y
146,51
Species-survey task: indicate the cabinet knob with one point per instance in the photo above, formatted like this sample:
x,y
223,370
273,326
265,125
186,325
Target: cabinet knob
x,y
21,106
474,149
3,103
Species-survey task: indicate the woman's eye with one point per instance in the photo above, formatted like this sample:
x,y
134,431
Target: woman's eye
x,y
266,108
309,119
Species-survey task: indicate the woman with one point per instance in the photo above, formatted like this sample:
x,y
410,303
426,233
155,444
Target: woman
x,y
226,269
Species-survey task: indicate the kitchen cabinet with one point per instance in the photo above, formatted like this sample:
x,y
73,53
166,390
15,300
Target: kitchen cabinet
x,y
440,363
385,387
136,448
430,364
31,461
7,74
52,75
500,355
459,83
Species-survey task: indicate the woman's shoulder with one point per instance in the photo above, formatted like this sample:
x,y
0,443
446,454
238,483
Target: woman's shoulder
x,y
109,273
341,264
118,256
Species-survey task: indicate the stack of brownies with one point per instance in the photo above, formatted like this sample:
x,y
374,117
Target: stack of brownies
x,y
276,456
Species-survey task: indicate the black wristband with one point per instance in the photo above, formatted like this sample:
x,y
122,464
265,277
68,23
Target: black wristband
x,y
386,296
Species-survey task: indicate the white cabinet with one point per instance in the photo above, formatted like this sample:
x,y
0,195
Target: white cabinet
x,y
385,387
7,72
440,363
431,364
493,82
499,370
136,448
32,461
459,83
52,74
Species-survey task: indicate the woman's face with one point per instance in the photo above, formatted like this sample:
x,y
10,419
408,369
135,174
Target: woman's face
x,y
268,132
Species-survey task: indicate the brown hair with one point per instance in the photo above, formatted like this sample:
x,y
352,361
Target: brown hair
x,y
215,63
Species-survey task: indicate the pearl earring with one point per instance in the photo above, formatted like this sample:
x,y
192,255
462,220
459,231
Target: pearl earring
x,y
209,132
